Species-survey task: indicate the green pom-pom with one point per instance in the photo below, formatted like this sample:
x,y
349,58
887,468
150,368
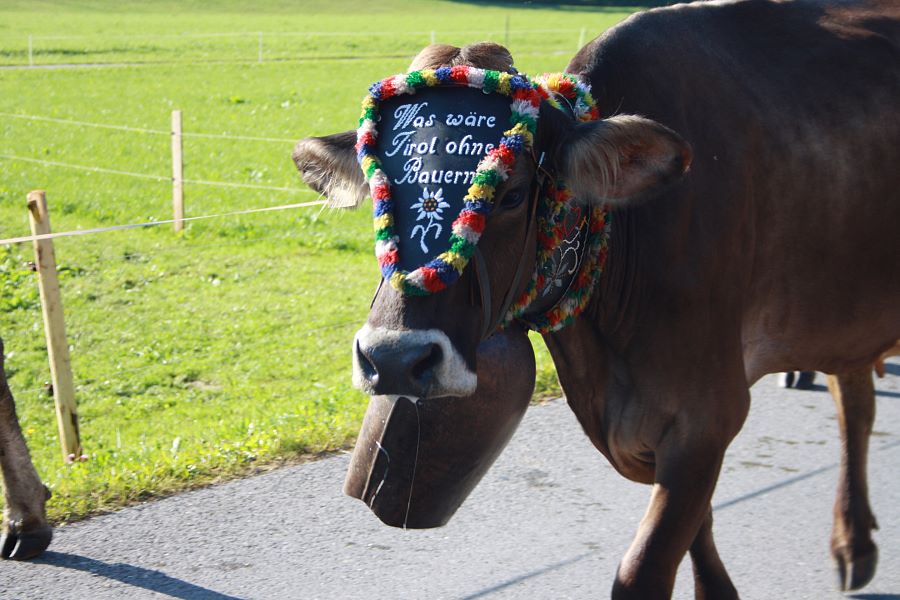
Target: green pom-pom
x,y
490,177
461,246
491,79
415,79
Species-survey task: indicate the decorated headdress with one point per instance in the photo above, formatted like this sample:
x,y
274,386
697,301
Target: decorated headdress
x,y
493,169
417,131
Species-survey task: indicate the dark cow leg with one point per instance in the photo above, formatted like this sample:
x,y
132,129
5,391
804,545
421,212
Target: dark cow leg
x,y
711,581
26,533
679,506
855,555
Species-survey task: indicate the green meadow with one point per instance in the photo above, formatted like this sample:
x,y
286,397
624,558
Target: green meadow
x,y
224,349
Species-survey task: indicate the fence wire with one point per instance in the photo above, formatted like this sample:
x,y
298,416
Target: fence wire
x,y
73,122
93,230
226,184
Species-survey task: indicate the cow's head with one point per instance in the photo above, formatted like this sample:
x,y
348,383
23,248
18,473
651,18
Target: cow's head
x,y
458,171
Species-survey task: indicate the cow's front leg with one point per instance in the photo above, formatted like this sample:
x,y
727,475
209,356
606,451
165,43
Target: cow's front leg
x,y
855,555
25,530
711,580
679,505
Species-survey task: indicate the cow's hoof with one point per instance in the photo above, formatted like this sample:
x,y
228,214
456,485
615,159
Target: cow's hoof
x,y
23,546
786,379
805,380
854,573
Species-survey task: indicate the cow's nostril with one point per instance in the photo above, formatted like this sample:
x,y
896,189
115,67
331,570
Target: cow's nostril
x,y
427,363
369,372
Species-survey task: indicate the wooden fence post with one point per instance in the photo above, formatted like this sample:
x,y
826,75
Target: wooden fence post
x,y
177,173
54,329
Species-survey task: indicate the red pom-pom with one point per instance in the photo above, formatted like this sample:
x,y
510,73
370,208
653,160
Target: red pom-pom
x,y
459,74
387,89
381,192
391,257
472,220
367,139
431,280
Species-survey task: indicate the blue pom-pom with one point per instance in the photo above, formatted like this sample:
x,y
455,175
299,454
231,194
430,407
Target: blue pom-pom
x,y
443,74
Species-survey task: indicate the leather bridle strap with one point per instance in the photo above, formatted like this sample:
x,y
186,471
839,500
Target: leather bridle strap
x,y
483,281
482,278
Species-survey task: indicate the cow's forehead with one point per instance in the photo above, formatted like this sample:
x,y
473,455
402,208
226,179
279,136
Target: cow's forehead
x,y
430,145
479,88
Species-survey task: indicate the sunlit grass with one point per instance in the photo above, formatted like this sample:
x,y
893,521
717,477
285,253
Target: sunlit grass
x,y
205,355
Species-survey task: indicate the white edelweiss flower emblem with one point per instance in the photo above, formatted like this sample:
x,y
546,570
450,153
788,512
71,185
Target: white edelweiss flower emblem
x,y
430,207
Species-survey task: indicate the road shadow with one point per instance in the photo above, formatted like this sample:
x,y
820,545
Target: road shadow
x,y
797,479
891,368
148,579
894,370
536,573
878,393
875,596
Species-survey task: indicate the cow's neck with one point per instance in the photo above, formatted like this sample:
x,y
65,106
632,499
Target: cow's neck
x,y
590,356
612,305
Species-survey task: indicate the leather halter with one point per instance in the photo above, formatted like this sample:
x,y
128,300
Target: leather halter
x,y
483,280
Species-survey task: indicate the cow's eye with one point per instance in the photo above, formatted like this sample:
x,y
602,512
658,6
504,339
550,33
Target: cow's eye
x,y
512,199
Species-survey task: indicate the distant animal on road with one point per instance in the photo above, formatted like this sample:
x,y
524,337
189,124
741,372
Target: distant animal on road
x,y
26,533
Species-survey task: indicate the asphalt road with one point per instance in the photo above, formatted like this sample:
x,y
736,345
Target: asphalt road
x,y
550,520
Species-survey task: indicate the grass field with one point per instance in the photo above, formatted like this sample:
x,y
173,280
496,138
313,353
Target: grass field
x,y
205,355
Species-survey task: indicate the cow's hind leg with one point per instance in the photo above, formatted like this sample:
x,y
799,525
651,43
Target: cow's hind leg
x,y
711,581
855,554
25,532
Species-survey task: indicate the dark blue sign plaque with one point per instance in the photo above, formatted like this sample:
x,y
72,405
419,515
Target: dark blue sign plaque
x,y
429,144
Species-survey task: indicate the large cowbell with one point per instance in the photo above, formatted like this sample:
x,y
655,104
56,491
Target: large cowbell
x,y
430,144
416,461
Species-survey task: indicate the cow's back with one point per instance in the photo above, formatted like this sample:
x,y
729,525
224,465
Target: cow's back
x,y
789,219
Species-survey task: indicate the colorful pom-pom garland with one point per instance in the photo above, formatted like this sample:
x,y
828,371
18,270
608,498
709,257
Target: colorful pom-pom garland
x,y
551,227
573,89
551,231
493,169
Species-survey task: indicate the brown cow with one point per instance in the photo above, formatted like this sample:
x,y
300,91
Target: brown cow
x,y
777,251
26,533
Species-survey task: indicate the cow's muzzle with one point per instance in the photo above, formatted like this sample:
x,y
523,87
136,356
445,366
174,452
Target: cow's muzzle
x,y
419,363
416,460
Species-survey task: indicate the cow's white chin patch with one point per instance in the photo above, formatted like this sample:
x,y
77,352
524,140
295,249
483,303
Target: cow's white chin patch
x,y
451,375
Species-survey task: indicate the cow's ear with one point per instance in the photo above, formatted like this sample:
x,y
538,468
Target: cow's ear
x,y
328,165
622,159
